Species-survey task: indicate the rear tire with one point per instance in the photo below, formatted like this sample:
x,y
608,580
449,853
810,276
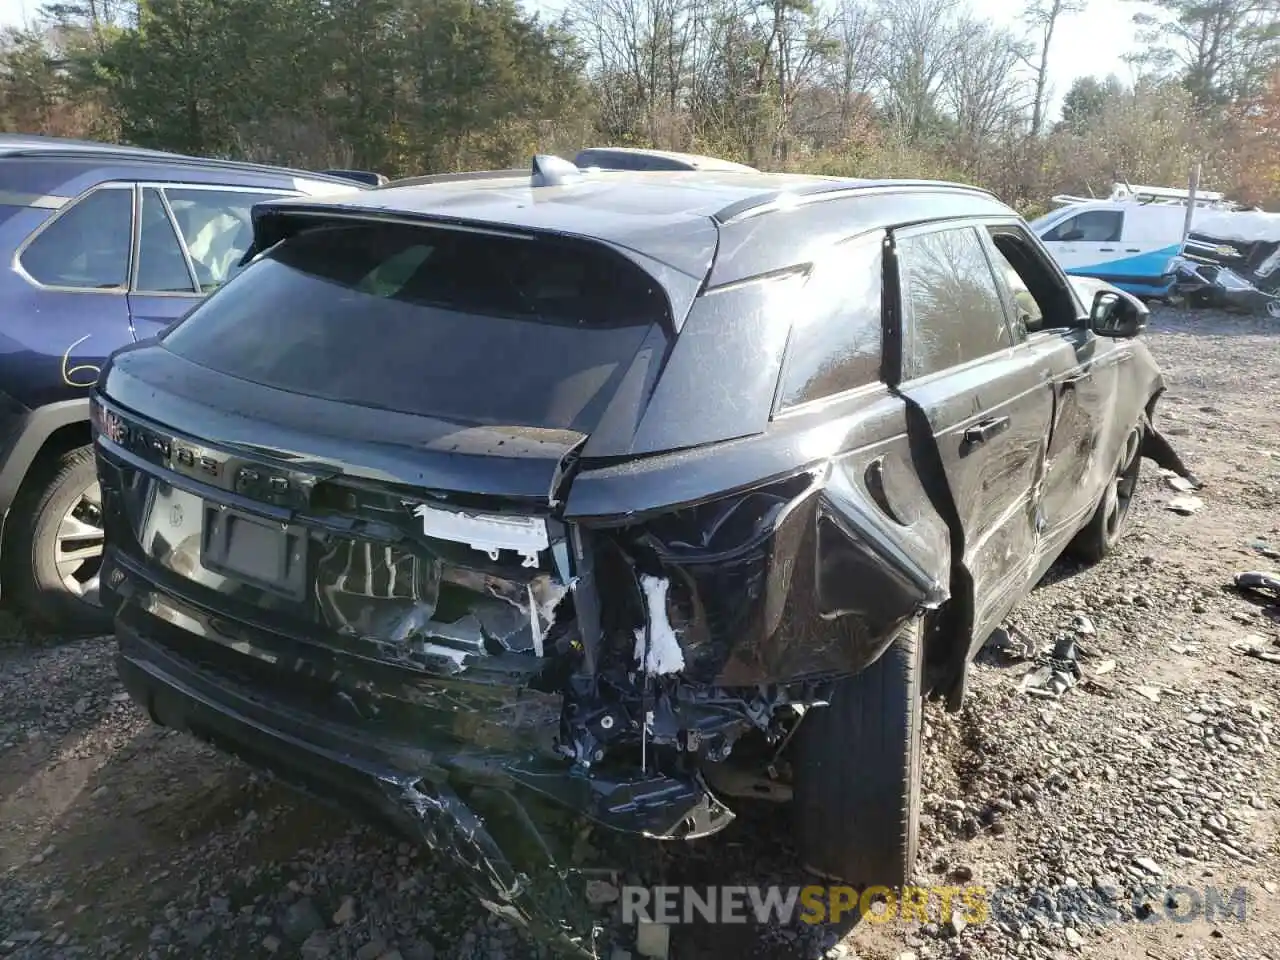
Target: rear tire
x,y
857,772
53,547
1104,529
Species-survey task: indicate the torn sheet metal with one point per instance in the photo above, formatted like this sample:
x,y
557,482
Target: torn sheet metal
x,y
1156,448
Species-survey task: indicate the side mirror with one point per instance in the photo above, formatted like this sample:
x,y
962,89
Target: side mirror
x,y
1117,315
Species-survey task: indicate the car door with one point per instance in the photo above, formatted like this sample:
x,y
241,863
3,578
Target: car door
x,y
1083,369
1083,242
189,241
988,408
68,299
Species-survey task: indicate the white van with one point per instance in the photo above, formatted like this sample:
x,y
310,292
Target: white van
x,y
1133,245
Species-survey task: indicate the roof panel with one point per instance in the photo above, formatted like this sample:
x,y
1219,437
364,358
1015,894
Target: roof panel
x,y
670,216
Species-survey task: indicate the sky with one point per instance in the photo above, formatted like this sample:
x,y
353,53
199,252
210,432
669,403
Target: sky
x,y
1093,42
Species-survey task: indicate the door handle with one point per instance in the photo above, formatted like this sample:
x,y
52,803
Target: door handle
x,y
1132,249
984,431
1106,249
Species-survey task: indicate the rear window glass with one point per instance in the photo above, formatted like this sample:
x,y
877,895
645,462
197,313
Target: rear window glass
x,y
7,211
470,327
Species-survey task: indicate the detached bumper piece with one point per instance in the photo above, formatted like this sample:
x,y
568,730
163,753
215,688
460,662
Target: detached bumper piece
x,y
509,826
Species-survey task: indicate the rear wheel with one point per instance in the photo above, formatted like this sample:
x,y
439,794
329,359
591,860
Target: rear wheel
x,y
857,772
54,546
1105,527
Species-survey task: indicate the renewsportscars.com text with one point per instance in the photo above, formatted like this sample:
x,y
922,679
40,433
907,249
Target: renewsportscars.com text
x,y
973,904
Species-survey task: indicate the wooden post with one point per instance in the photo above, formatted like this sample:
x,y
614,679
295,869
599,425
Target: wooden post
x,y
1192,187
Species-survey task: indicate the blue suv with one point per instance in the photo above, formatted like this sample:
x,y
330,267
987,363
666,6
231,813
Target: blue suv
x,y
103,245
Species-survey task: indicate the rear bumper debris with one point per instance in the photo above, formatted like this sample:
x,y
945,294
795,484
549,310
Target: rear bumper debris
x,y
513,845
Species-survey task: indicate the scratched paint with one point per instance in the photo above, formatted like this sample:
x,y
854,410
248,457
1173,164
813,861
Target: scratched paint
x,y
78,374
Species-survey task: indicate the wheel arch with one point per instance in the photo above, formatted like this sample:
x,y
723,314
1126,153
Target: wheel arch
x,y
46,432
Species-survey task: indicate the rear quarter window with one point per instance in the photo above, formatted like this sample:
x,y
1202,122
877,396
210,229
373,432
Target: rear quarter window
x,y
835,338
87,245
468,327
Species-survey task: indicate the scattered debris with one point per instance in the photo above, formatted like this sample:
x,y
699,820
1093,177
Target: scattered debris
x,y
1255,645
1266,549
1257,581
600,892
1181,484
1185,505
653,940
1150,693
1148,865
1004,646
1104,667
1058,674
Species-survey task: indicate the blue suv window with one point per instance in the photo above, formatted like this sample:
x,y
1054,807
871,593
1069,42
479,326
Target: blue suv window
x,y
162,266
216,228
86,247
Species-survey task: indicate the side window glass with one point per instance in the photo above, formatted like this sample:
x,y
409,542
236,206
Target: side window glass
x,y
162,268
954,309
1092,226
835,340
87,246
1036,295
216,228
1027,315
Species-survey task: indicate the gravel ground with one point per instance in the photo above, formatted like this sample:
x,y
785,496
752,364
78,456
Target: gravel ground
x,y
1157,770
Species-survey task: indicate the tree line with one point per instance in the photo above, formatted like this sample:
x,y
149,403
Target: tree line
x,y
918,88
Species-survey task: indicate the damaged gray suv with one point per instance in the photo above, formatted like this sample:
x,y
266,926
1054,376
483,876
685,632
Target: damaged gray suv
x,y
495,506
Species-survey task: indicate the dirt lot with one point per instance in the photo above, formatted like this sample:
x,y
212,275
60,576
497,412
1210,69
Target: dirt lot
x,y
1156,771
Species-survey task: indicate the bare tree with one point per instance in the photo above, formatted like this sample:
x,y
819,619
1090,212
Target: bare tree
x,y
919,42
983,90
639,52
1041,16
801,41
851,72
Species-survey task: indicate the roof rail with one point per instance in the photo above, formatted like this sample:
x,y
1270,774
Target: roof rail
x,y
456,177
833,189
145,155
